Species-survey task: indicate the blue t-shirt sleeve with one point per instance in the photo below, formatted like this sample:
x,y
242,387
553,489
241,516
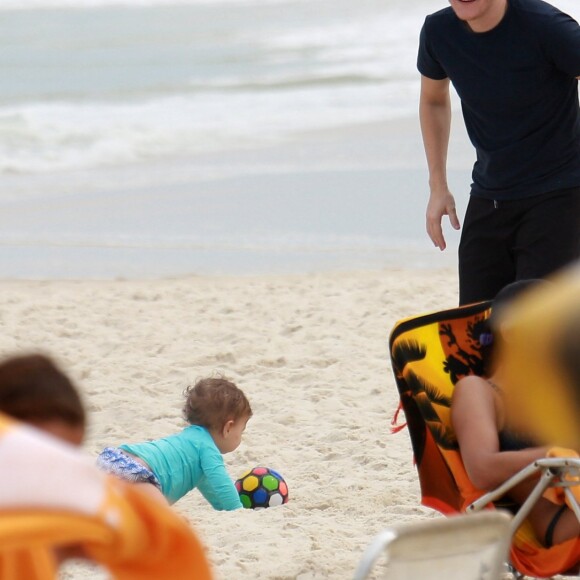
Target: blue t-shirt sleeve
x,y
562,43
427,62
215,484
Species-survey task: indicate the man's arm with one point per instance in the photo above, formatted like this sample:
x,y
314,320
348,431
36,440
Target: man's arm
x,y
435,117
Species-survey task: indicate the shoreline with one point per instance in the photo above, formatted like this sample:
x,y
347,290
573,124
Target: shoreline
x,y
38,263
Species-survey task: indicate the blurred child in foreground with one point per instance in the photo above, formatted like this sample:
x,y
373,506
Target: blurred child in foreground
x,y
55,504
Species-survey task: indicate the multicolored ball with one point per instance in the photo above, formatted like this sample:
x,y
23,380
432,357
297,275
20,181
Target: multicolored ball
x,y
262,487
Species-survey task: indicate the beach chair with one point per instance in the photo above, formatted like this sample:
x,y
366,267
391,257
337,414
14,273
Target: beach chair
x,y
429,354
460,547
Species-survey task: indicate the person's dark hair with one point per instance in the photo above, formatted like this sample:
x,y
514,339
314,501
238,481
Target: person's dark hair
x,y
33,388
507,295
211,402
489,336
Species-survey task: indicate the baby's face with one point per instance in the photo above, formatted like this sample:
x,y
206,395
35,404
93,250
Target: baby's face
x,y
231,437
73,434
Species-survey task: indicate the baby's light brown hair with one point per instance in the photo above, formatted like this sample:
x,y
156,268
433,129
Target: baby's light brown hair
x,y
211,402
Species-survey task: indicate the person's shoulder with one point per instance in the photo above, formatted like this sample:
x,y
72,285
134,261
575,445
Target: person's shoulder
x,y
471,380
441,17
534,7
472,385
446,12
190,436
442,23
201,438
537,12
194,432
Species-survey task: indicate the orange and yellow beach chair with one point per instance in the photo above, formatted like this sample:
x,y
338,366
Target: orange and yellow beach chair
x,y
429,354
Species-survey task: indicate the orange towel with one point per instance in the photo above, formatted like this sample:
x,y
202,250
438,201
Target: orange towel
x,y
556,494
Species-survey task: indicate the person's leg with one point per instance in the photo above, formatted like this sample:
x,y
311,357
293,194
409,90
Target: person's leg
x,y
549,234
152,490
485,261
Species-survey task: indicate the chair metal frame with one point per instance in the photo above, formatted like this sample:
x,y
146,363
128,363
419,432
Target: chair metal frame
x,y
553,472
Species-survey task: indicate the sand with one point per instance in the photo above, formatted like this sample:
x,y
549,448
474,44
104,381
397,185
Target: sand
x,y
311,353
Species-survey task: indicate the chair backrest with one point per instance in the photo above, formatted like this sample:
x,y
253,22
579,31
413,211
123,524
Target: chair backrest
x,y
429,354
461,547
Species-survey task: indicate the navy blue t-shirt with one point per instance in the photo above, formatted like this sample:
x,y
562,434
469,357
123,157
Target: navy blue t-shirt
x,y
519,95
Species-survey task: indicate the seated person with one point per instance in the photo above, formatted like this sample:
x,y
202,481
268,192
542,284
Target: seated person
x,y
491,448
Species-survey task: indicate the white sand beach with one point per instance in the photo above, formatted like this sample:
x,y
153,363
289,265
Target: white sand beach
x,y
311,353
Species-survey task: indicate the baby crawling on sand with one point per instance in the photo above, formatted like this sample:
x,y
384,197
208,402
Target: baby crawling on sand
x,y
217,412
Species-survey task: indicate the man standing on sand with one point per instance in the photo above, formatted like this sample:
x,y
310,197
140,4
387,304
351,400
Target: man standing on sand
x,y
514,65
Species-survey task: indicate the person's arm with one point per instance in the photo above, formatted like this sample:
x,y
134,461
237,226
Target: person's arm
x,y
475,421
435,117
216,485
561,42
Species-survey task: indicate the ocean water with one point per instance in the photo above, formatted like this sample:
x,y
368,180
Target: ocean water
x,y
157,137
113,84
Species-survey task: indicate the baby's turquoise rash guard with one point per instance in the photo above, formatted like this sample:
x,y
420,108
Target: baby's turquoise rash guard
x,y
187,460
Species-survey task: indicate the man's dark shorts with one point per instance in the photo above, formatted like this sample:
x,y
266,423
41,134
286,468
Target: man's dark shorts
x,y
515,240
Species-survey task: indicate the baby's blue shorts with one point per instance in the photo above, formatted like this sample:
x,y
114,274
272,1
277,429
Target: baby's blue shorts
x,y
115,461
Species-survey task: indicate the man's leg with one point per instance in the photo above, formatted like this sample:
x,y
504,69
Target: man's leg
x,y
549,234
485,261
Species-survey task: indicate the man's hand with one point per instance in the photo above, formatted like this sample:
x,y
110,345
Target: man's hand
x,y
440,204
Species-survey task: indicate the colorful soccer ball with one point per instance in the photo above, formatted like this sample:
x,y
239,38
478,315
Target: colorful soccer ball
x,y
262,487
